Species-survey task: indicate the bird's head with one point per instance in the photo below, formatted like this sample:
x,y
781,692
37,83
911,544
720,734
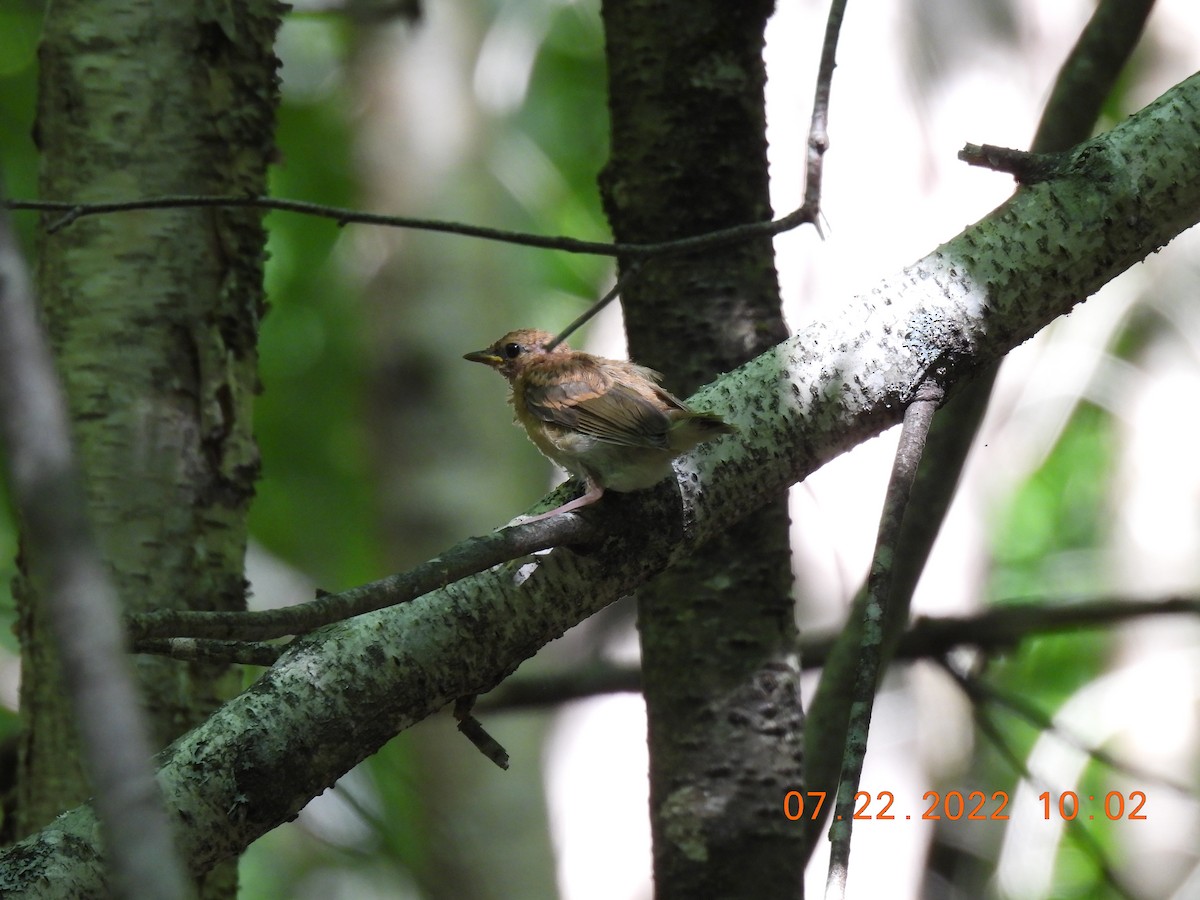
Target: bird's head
x,y
517,349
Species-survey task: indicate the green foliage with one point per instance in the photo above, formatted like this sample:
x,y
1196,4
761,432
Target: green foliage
x,y
565,115
313,506
1046,544
1046,538
19,28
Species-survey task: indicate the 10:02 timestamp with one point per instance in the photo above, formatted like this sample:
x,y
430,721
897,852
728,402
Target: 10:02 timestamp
x,y
975,806
1114,805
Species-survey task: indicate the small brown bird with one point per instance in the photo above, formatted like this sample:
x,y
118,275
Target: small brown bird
x,y
605,420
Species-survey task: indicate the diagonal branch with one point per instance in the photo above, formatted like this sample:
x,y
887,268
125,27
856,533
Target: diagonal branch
x,y
464,558
917,418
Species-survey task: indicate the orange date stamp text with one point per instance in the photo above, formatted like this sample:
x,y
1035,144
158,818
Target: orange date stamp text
x,y
973,806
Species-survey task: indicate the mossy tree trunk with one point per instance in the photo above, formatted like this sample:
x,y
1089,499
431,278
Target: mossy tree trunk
x,y
717,632
153,317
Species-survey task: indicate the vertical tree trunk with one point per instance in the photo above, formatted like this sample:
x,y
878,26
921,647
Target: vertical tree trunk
x,y
153,317
717,633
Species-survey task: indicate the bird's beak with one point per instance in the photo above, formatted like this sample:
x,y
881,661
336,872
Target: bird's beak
x,y
487,357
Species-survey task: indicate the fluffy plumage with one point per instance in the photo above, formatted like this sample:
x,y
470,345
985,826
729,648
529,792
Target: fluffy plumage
x,y
607,421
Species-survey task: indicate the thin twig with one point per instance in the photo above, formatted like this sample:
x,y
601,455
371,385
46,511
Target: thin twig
x,y
71,579
810,211
818,132
627,276
463,559
73,211
908,455
246,653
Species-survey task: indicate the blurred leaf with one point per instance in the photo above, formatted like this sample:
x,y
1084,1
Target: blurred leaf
x,y
1047,538
314,500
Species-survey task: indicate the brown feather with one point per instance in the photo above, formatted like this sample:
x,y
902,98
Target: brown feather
x,y
608,421
590,401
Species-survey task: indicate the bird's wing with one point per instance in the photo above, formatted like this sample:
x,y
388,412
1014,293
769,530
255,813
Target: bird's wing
x,y
593,403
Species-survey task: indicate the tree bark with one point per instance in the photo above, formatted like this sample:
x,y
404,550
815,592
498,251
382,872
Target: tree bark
x,y
718,637
153,318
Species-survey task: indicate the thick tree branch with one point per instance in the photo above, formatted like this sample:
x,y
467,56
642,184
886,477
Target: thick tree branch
x,y
341,692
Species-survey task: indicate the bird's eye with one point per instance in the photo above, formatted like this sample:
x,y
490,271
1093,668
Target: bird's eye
x,y
512,351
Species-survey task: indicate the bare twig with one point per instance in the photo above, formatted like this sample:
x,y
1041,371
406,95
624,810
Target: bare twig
x,y
818,132
904,471
64,563
342,216
631,271
474,732
1024,166
246,653
818,143
463,559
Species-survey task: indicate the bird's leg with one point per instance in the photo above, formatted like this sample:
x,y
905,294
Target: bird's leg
x,y
594,491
